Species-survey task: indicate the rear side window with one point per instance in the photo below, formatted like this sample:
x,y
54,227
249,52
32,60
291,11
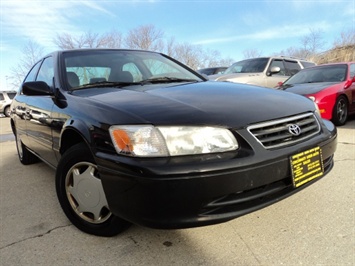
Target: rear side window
x,y
292,67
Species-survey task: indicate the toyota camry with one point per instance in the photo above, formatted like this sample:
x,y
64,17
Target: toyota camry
x,y
138,137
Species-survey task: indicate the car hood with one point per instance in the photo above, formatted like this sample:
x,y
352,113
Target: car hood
x,y
203,103
233,76
308,88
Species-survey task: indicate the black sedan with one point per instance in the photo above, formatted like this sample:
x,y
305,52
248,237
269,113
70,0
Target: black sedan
x,y
137,137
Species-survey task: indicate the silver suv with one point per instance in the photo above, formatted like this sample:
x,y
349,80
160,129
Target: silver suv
x,y
5,101
263,71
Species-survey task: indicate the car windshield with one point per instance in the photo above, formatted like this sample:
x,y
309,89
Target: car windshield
x,y
255,65
118,68
331,73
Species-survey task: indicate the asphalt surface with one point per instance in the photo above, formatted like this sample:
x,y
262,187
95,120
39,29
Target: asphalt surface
x,y
313,227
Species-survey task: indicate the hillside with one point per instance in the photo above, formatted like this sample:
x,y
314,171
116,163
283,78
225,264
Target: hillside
x,y
337,54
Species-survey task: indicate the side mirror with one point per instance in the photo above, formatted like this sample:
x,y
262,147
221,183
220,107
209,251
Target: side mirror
x,y
274,70
36,88
349,82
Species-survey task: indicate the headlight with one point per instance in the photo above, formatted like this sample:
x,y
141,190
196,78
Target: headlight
x,y
315,104
312,98
150,141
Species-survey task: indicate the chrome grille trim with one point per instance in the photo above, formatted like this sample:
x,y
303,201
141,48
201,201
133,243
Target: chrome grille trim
x,y
275,134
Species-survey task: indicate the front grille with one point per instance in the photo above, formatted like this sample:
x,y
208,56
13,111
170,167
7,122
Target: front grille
x,y
248,199
276,134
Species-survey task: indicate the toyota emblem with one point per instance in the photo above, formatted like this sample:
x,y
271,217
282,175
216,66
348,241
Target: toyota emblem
x,y
294,129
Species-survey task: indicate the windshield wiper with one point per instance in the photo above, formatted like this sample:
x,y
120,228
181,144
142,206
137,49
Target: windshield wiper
x,y
165,80
104,84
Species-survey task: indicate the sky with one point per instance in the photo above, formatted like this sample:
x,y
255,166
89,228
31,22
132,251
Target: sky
x,y
227,26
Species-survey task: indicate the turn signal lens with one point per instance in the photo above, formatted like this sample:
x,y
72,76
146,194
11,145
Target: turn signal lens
x,y
138,141
122,140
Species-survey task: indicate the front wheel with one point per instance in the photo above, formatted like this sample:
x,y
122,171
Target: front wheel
x,y
340,111
7,111
81,195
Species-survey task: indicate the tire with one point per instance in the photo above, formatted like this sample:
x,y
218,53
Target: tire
x,y
81,195
7,111
340,111
25,156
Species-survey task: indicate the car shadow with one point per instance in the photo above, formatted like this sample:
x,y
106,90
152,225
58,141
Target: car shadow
x,y
350,123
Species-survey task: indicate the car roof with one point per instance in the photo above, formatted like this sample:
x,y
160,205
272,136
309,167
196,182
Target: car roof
x,y
277,57
11,91
331,64
101,49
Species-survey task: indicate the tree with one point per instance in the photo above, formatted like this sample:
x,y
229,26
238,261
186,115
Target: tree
x,y
146,38
343,49
251,53
312,43
212,58
189,55
347,38
31,53
111,39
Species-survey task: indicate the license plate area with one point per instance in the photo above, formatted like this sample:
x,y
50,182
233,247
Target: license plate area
x,y
306,166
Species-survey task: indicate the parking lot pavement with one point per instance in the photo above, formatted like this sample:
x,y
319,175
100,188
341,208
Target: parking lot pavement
x,y
313,227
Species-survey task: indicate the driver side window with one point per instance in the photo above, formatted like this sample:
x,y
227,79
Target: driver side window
x,y
280,64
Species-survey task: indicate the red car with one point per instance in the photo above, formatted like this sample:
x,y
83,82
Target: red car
x,y
331,86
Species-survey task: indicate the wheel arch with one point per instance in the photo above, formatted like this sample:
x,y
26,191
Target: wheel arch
x,y
73,134
5,107
342,95
13,127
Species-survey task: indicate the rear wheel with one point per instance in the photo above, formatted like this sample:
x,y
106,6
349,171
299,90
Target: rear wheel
x,y
81,195
340,111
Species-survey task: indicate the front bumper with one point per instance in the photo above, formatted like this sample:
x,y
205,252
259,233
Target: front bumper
x,y
189,192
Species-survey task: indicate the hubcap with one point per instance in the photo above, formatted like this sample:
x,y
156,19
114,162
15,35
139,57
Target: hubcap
x,y
85,193
341,110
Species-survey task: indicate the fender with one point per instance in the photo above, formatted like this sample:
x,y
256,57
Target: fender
x,y
73,131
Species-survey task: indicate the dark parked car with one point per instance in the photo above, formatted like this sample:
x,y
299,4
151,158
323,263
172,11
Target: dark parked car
x,y
137,137
212,70
330,86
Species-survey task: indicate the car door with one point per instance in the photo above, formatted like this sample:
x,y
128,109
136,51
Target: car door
x,y
39,110
271,80
20,110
